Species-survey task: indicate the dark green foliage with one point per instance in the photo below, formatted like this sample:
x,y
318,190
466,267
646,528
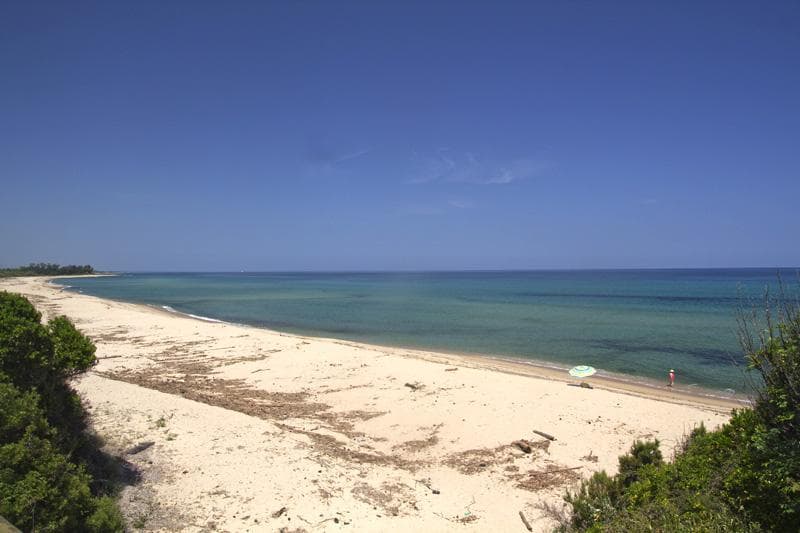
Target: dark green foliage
x,y
596,501
34,356
44,451
106,516
74,353
26,349
39,486
744,476
642,453
20,414
17,308
778,362
658,497
46,269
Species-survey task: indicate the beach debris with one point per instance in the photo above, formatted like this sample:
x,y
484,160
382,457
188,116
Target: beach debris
x,y
476,461
142,446
467,518
523,445
562,470
536,480
279,512
452,369
590,457
525,521
543,434
414,386
421,444
585,385
427,483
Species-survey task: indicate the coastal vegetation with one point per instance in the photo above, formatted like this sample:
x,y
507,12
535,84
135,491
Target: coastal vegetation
x,y
744,476
46,269
52,475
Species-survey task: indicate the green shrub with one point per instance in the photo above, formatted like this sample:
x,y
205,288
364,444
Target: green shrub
x,y
26,349
73,352
106,516
33,355
44,450
40,489
642,453
596,501
20,413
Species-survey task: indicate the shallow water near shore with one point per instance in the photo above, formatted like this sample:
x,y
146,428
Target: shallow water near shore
x,y
635,322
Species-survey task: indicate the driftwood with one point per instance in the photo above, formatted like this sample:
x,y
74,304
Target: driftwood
x,y
414,386
279,512
525,521
142,446
543,434
561,470
451,369
523,445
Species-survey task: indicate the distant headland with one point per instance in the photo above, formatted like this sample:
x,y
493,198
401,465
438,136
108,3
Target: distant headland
x,y
46,269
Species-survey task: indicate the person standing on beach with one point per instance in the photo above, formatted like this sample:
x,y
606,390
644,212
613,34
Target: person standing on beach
x,y
671,377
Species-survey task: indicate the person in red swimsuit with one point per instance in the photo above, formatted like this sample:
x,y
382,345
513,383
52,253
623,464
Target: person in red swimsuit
x,y
671,377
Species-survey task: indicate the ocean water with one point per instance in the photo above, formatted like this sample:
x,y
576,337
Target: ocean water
x,y
639,323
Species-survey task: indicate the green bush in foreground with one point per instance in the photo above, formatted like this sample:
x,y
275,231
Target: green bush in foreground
x,y
745,476
44,451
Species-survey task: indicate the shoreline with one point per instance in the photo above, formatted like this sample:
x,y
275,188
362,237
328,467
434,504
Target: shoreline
x,y
537,368
375,437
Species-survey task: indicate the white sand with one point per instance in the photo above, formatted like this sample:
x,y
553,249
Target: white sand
x,y
247,421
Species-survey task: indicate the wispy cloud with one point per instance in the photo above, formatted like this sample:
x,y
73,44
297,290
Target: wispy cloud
x,y
351,156
435,208
460,203
421,210
438,167
446,167
322,154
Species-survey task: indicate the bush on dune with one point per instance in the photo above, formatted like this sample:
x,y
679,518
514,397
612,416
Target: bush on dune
x,y
744,476
44,450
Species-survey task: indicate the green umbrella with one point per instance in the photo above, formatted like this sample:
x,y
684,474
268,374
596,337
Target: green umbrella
x,y
582,371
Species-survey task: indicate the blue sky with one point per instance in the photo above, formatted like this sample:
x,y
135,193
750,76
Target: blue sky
x,y
377,135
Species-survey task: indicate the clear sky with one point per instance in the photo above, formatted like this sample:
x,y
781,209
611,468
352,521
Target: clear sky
x,y
399,135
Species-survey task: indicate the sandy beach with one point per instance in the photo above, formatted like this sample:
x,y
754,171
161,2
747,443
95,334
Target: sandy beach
x,y
234,428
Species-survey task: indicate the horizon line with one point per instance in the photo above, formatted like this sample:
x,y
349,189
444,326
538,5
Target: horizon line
x,y
427,271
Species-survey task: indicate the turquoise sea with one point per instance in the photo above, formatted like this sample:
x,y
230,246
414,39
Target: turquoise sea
x,y
634,322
